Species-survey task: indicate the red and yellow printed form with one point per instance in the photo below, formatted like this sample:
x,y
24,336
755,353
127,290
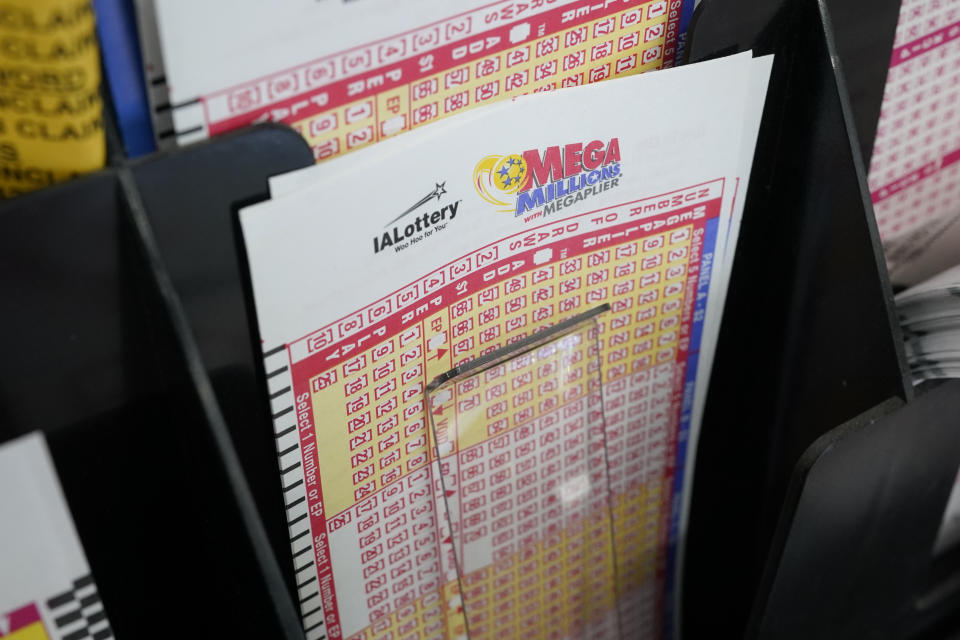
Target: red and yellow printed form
x,y
46,589
915,169
348,74
385,272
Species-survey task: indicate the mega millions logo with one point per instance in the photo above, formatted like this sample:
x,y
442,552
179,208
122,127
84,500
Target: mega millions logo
x,y
536,183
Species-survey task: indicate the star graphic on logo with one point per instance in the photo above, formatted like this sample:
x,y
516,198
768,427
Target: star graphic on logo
x,y
506,181
439,190
504,170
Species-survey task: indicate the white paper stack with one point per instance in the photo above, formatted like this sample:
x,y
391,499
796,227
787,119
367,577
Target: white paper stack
x,y
348,74
151,55
377,272
46,588
930,317
915,169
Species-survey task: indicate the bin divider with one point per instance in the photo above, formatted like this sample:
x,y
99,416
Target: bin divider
x,y
199,381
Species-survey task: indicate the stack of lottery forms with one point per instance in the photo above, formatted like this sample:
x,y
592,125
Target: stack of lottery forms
x,y
915,169
930,318
376,273
348,74
46,589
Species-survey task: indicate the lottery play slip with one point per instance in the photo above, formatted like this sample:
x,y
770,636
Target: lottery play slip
x,y
487,344
915,169
347,74
46,589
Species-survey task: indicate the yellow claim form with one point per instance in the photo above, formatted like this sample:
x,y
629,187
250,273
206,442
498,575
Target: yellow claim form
x,y
51,114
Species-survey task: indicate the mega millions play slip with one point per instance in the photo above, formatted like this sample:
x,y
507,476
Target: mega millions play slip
x,y
487,344
347,74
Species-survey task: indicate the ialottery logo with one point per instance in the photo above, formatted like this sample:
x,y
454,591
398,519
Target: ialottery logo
x,y
545,182
416,229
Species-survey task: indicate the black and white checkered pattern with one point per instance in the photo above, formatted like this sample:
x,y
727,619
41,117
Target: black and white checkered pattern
x,y
78,612
280,385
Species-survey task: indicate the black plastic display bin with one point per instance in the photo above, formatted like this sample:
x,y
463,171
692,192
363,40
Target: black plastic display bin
x,y
129,339
810,358
99,355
